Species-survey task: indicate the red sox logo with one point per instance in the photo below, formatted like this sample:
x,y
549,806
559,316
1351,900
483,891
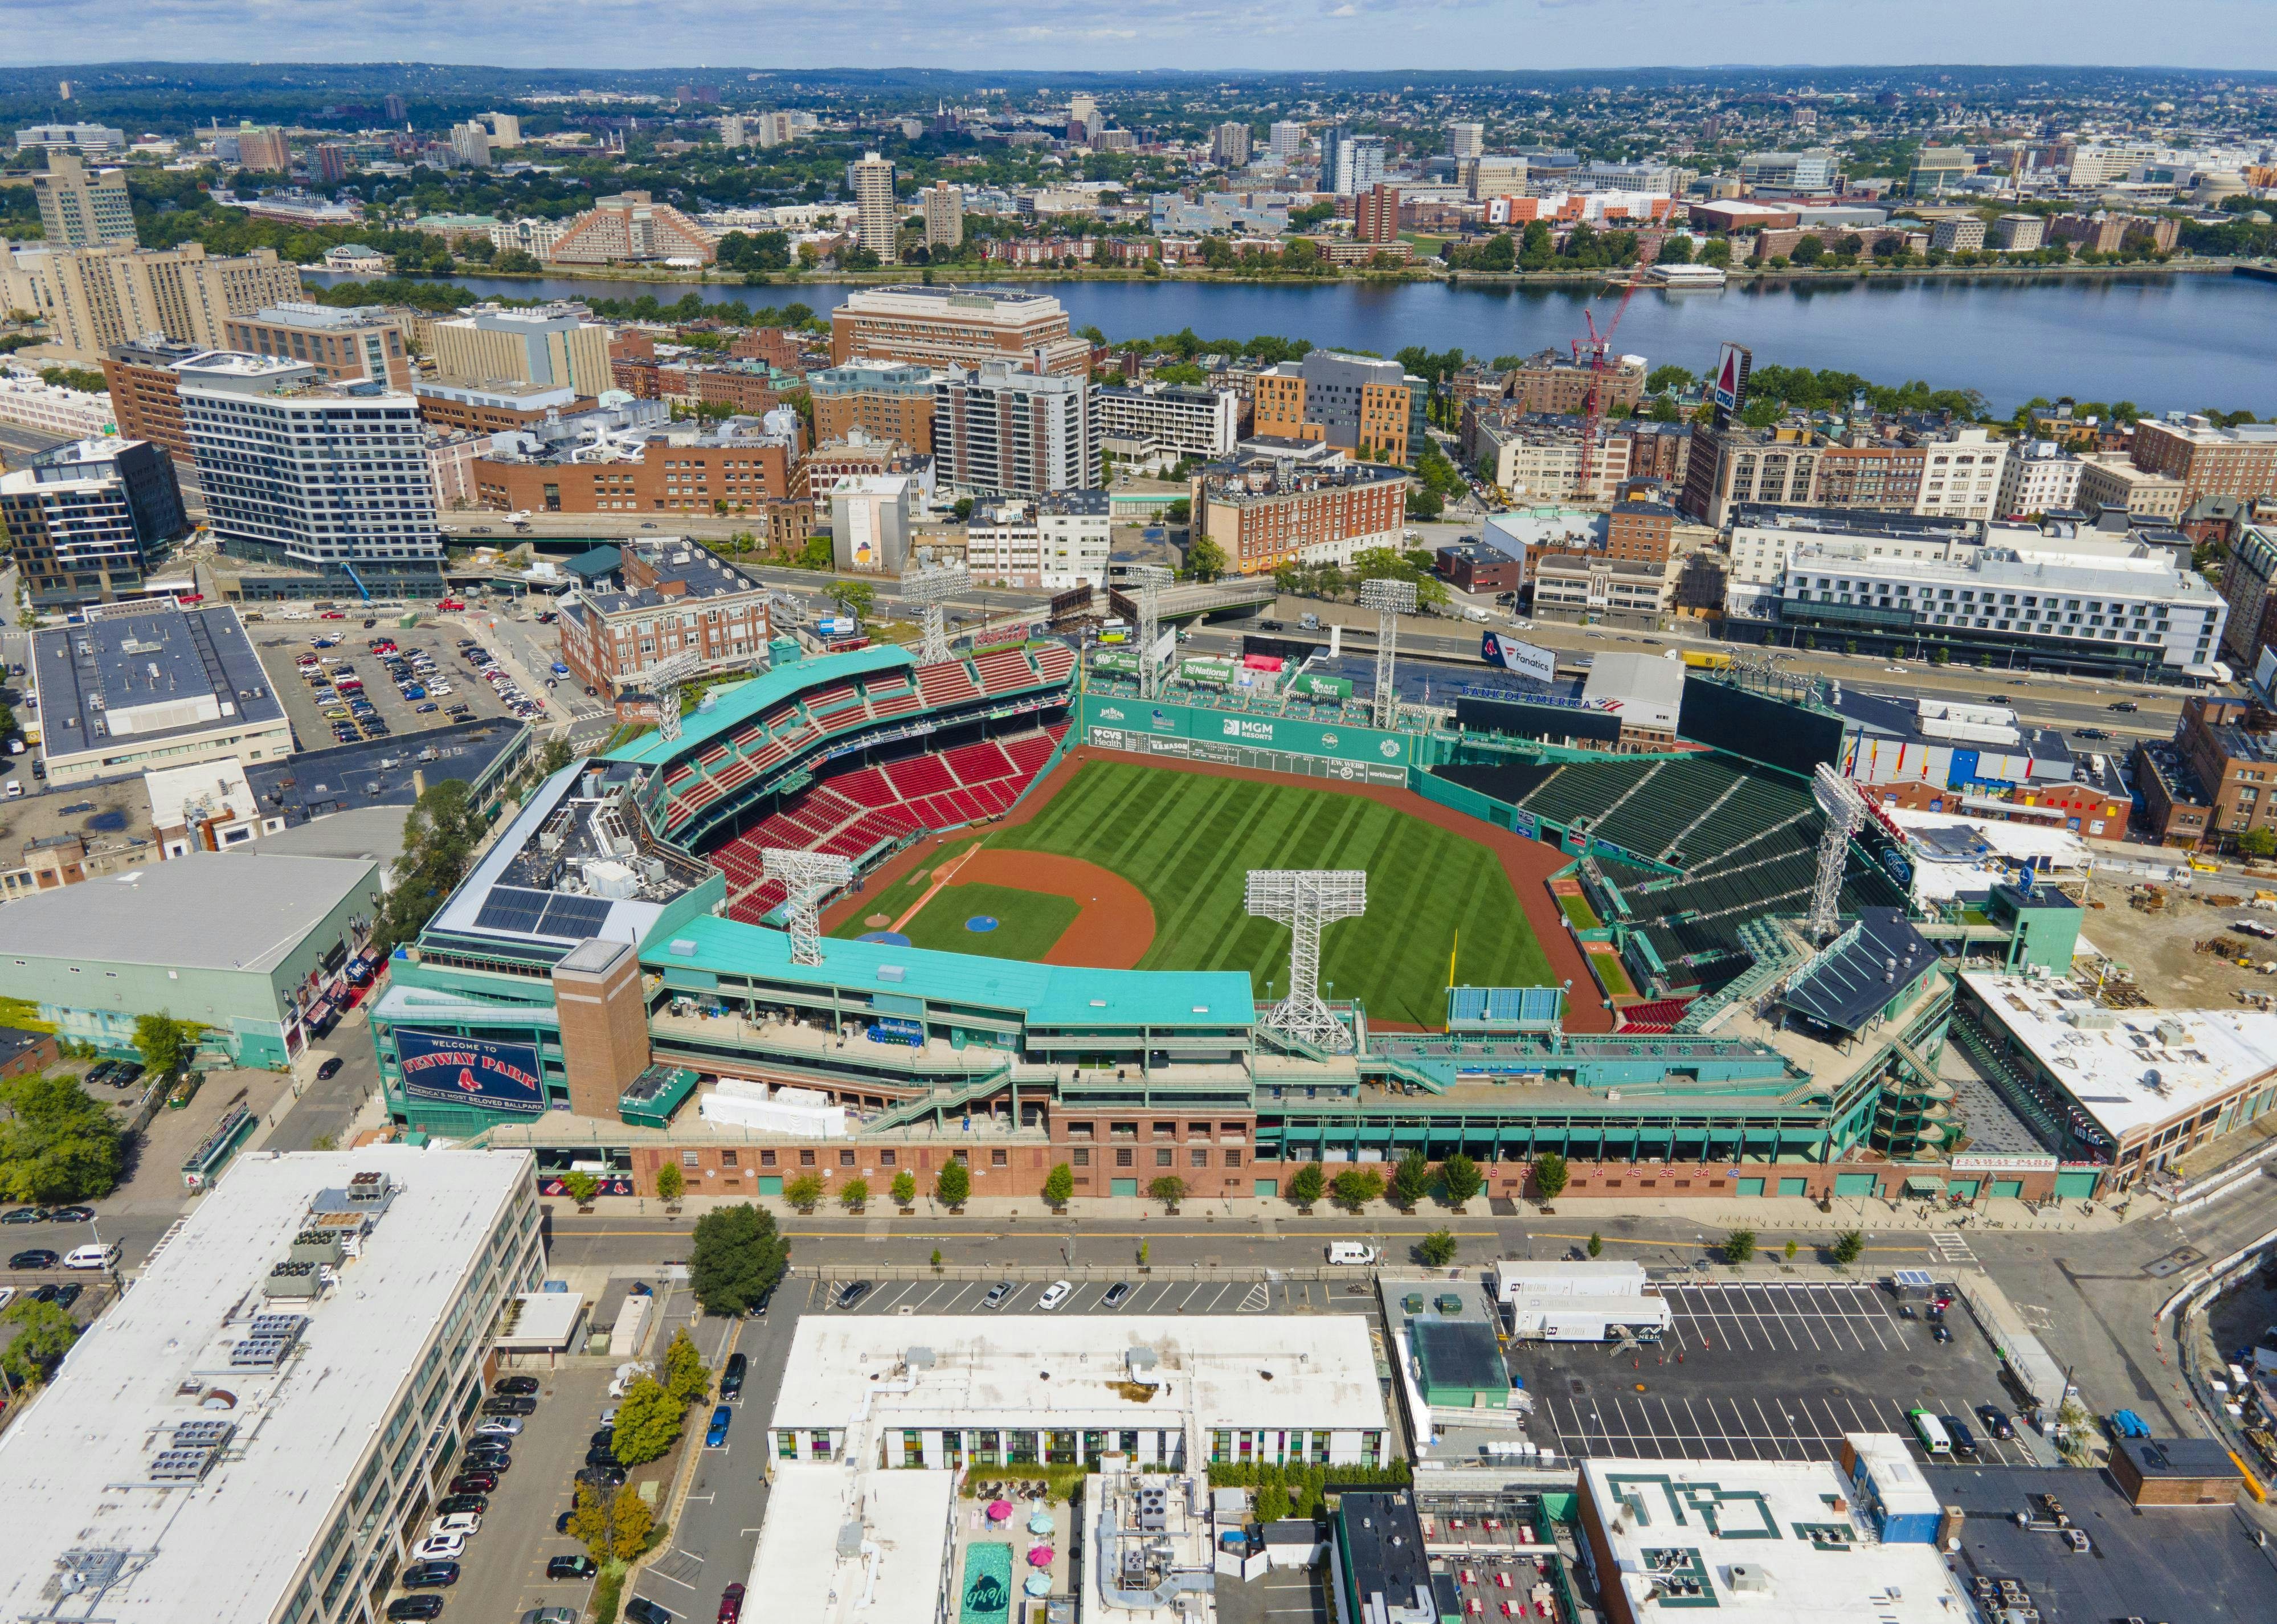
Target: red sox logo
x,y
467,1082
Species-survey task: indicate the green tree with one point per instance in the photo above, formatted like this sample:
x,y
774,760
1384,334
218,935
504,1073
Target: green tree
x,y
686,1376
648,1423
1272,1503
1793,1246
1550,1174
952,1184
905,1188
613,1527
438,840
1666,376
163,1042
1462,1177
670,1183
2257,842
1411,1179
1810,250
1206,560
43,1334
1847,1247
580,1185
1437,1249
737,1259
804,1191
1356,1186
1169,1189
1597,1244
58,1144
1738,1246
854,1195
856,598
1306,1185
1059,1185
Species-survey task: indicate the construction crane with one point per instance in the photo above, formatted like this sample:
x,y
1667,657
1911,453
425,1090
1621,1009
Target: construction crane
x,y
1592,353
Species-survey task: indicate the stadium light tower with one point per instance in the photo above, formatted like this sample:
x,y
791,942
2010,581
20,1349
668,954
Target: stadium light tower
x,y
1306,899
1150,579
809,876
1389,598
932,587
666,678
1838,797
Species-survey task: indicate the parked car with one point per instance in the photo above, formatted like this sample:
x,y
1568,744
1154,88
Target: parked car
x,y
639,1609
602,1455
493,1460
415,1607
431,1576
1996,1420
25,1215
998,1295
1116,1294
853,1291
509,1406
603,1476
452,1504
571,1567
731,1605
440,1547
550,1615
36,1257
603,1438
731,1375
461,1524
1057,1292
716,1437
72,1215
330,1070
1942,1333
499,1427
67,1294
474,1482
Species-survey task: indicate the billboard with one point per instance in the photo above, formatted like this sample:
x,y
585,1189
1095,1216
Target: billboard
x,y
1774,732
1280,735
497,1077
1523,658
1523,716
1732,364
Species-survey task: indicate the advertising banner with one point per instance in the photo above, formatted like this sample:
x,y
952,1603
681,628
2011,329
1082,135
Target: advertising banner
x,y
499,1077
1523,658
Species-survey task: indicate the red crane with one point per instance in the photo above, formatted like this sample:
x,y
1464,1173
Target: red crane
x,y
1596,348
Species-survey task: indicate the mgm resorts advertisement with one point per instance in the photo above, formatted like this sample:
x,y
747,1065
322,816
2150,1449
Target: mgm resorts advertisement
x,y
499,1077
1522,658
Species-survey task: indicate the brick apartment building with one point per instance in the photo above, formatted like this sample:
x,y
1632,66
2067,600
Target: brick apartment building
x,y
951,327
884,399
343,345
2208,459
665,599
1556,384
680,473
1264,513
1641,532
455,407
771,344
144,402
2217,778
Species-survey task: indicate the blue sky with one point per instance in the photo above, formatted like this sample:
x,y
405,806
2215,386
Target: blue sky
x,y
1124,34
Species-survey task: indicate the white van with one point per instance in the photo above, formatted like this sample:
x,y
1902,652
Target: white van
x,y
93,1257
1350,1251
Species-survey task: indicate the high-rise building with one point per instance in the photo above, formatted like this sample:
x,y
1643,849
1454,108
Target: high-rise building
x,y
547,344
472,142
83,209
94,140
263,148
83,520
1286,140
632,225
144,404
1812,171
2209,460
1355,163
92,299
1376,215
876,216
1357,403
881,398
1494,174
329,477
731,130
393,105
1466,139
343,345
955,326
1230,145
944,215
329,163
505,128
1003,431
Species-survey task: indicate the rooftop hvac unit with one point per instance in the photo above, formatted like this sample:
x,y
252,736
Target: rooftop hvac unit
x,y
314,1246
1750,1579
368,1187
202,1433
291,1279
259,1353
181,1466
283,1327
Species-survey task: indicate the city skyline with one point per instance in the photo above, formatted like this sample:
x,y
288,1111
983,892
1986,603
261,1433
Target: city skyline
x,y
1317,36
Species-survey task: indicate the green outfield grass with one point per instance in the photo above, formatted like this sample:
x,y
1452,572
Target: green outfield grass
x,y
1186,840
1027,922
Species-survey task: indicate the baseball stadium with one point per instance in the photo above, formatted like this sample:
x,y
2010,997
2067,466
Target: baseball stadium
x,y
866,914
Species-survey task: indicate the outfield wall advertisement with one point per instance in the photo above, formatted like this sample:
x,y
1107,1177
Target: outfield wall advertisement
x,y
1232,738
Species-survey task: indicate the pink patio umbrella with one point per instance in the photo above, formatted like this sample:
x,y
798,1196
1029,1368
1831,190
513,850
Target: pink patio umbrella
x,y
999,1510
1039,1555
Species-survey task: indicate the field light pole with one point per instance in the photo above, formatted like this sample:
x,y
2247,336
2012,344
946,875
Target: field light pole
x,y
1389,598
809,876
1305,900
932,588
1150,579
665,679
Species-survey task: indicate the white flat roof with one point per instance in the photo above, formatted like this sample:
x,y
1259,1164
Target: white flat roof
x,y
1720,1516
2129,1068
905,1514
2010,839
1035,1370
225,1548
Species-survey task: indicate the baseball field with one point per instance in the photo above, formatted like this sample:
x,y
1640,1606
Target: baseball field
x,y
1153,860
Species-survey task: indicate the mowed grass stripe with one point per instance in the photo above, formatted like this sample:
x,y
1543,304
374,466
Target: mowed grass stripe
x,y
1188,839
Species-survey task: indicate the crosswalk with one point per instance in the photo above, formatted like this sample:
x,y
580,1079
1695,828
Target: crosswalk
x,y
1950,1247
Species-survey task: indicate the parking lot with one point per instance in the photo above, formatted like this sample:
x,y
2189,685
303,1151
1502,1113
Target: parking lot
x,y
1239,1295
306,702
1766,1371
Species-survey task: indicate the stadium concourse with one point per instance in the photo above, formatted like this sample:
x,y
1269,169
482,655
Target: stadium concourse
x,y
614,986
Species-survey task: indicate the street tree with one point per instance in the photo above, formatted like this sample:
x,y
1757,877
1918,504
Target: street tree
x,y
685,1376
1169,1189
1437,1249
1356,1186
1549,1175
1306,1185
905,1188
1411,1179
738,1258
1059,1185
1462,1177
804,1191
648,1423
42,1335
952,1187
58,1144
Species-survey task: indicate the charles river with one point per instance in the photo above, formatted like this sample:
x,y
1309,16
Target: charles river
x,y
2165,341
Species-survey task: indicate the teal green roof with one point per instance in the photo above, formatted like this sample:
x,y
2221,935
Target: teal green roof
x,y
1047,994
739,705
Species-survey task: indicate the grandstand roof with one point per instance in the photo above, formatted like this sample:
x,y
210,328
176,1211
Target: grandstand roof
x,y
737,705
1049,994
1864,969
